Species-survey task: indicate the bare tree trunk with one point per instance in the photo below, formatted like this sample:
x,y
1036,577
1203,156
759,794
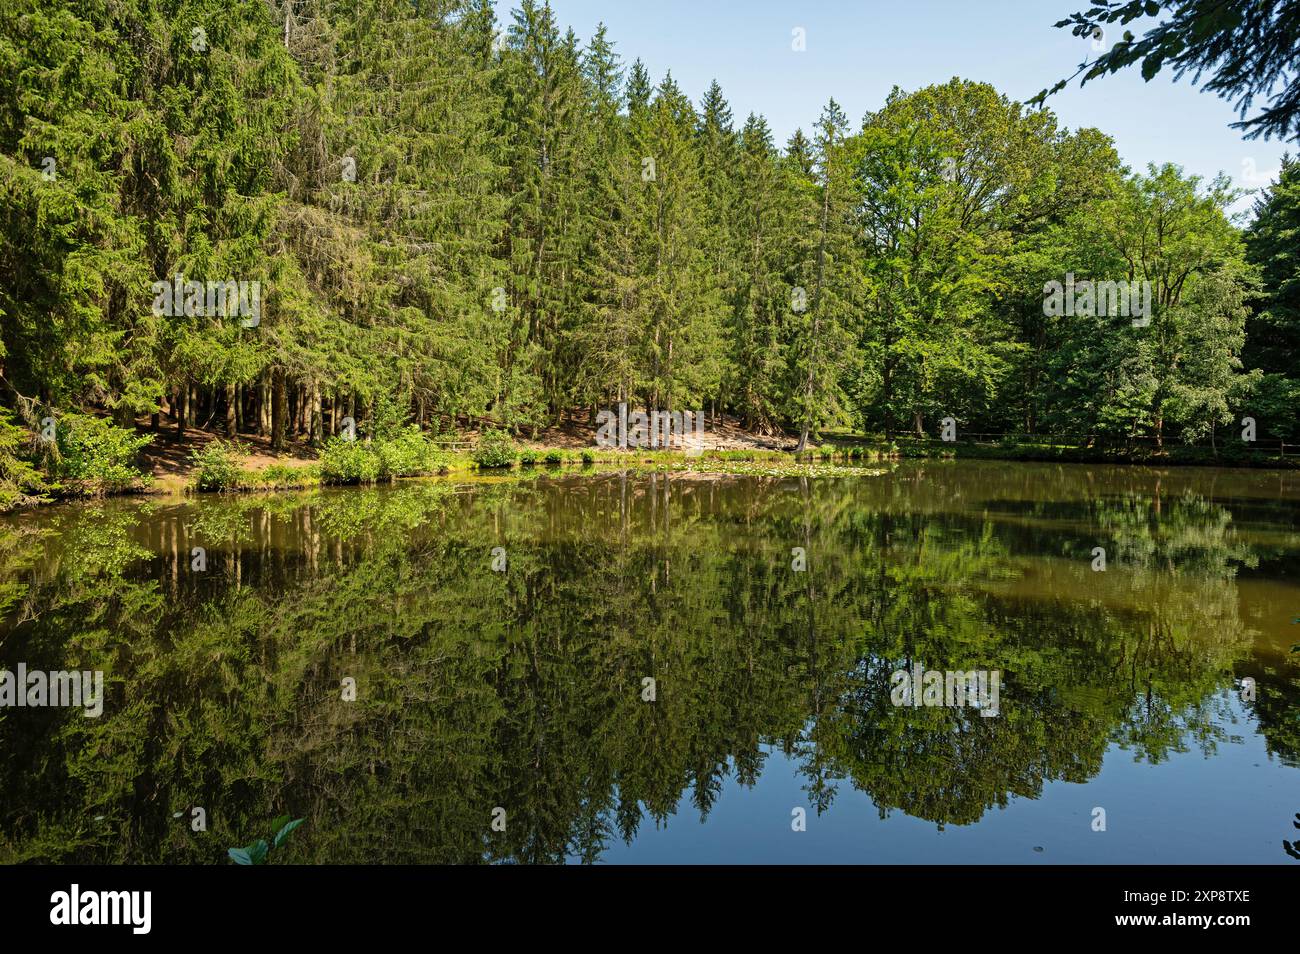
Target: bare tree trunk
x,y
316,426
264,405
279,409
232,417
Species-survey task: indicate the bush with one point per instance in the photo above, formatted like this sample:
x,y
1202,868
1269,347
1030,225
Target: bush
x,y
284,476
407,454
217,466
529,457
554,458
348,462
588,457
94,457
494,449
826,452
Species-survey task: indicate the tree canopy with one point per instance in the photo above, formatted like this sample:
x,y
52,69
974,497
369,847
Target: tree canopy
x,y
449,219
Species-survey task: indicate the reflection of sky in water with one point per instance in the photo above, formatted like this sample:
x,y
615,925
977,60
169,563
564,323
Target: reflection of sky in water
x,y
1233,806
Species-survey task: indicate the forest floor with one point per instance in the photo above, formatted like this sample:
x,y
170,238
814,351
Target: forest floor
x,y
168,460
168,457
726,434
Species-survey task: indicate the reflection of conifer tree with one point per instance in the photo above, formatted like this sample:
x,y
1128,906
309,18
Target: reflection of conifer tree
x,y
522,690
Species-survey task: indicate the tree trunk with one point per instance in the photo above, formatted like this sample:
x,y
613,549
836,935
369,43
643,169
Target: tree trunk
x,y
279,409
317,428
264,405
232,418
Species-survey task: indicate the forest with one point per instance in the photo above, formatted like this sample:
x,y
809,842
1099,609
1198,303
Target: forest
x,y
449,221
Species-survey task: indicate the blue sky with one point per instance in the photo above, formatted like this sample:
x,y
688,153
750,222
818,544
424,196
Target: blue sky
x,y
858,49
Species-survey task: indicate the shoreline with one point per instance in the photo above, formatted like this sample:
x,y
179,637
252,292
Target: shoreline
x,y
847,457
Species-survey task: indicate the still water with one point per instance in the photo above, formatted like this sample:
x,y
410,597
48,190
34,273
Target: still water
x,y
502,709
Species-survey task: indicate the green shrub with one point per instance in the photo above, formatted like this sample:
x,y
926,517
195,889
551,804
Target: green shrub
x,y
407,454
92,456
529,457
588,457
284,476
554,458
348,462
494,449
217,466
825,452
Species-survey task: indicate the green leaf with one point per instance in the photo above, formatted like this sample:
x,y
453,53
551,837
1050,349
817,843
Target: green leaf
x,y
257,852
279,823
284,832
1151,65
239,856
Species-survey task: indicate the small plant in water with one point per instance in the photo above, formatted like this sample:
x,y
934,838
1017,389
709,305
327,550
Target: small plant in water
x,y
256,853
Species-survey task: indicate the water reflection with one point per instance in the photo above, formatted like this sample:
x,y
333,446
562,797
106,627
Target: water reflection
x,y
524,689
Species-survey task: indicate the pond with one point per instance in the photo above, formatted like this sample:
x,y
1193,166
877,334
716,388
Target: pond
x,y
612,667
